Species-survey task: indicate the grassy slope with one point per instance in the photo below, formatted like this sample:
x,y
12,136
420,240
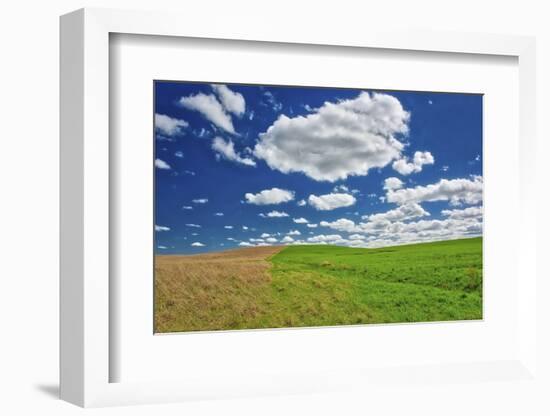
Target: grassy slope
x,y
420,282
321,285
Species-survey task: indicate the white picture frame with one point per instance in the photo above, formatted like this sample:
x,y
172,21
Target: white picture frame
x,y
85,163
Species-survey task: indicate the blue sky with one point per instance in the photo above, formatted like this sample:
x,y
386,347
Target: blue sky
x,y
243,165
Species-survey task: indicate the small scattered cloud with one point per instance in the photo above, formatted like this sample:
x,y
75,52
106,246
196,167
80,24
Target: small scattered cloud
x,y
392,183
193,225
404,167
228,227
186,207
294,232
312,225
461,214
322,238
232,101
403,212
287,240
200,201
169,126
161,164
269,197
197,244
301,202
179,154
226,150
161,228
300,220
210,108
331,201
218,214
275,105
274,214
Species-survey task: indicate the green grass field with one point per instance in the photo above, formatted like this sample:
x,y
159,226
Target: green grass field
x,y
328,285
319,285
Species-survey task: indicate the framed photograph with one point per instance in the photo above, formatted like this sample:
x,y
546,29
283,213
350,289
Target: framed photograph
x,y
289,206
273,214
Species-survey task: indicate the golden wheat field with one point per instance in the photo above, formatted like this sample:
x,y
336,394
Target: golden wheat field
x,y
211,291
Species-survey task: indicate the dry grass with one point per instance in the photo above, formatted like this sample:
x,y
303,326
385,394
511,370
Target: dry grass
x,y
222,290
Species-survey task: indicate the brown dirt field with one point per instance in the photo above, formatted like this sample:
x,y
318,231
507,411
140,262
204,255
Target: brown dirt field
x,y
222,290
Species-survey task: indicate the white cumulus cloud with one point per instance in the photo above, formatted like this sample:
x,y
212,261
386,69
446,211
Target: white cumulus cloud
x,y
269,197
300,220
338,140
161,228
404,212
197,244
469,191
331,201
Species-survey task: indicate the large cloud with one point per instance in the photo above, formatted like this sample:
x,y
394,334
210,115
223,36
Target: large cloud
x,y
169,126
404,167
232,101
331,201
226,150
340,139
210,108
469,191
269,196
